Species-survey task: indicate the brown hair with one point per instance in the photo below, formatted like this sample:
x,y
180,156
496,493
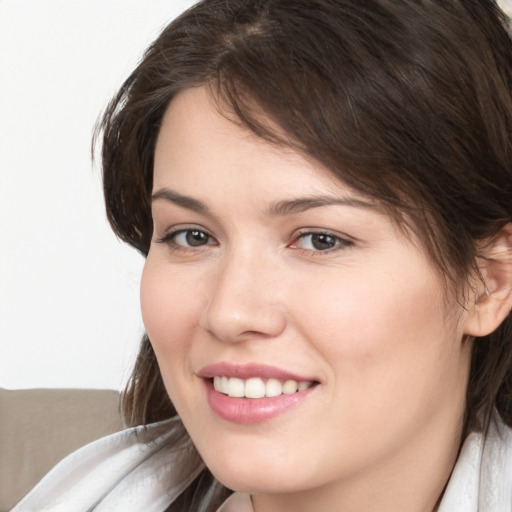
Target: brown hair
x,y
407,101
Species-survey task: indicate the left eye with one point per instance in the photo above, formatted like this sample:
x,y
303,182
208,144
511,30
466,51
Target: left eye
x,y
318,242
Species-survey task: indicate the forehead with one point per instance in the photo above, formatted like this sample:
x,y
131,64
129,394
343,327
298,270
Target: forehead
x,y
199,147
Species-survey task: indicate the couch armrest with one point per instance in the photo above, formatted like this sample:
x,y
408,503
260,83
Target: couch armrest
x,y
39,427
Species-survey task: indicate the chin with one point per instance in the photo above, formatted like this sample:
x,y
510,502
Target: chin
x,y
256,472
248,481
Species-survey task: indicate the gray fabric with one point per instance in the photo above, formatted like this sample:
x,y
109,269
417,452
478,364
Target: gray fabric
x,y
39,427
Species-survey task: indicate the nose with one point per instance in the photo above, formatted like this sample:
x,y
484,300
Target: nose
x,y
244,300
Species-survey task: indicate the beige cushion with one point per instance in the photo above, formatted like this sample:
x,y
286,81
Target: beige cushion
x,y
39,427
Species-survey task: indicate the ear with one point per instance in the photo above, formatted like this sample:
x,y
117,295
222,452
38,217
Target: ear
x,y
493,285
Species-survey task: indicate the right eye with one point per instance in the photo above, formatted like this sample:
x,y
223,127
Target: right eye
x,y
188,238
191,238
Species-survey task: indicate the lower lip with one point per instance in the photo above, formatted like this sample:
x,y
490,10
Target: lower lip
x,y
252,410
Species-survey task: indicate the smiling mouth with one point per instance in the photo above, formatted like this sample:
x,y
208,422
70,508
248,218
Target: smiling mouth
x,y
256,387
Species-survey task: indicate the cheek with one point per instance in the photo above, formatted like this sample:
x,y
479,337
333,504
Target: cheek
x,y
170,310
168,299
368,311
386,336
156,297
393,358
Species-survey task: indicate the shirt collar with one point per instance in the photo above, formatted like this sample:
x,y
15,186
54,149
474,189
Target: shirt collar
x,y
237,502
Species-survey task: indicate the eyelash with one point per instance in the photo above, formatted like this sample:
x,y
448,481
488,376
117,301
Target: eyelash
x,y
170,239
337,241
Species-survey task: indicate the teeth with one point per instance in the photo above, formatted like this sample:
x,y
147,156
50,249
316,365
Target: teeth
x,y
273,388
290,387
224,385
303,386
236,388
254,388
257,388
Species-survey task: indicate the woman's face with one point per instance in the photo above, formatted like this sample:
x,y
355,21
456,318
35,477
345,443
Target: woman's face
x,y
281,283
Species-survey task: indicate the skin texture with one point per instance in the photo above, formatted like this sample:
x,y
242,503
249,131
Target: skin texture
x,y
369,319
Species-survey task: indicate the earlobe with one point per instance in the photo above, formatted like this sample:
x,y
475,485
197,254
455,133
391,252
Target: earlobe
x,y
492,300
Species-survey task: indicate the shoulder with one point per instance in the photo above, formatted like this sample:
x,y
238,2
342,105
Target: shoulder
x,y
482,477
496,469
132,470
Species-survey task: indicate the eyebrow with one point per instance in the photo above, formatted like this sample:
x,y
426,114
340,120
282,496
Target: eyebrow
x,y
280,208
302,204
184,201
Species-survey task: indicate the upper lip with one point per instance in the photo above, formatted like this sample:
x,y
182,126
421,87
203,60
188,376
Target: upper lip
x,y
246,371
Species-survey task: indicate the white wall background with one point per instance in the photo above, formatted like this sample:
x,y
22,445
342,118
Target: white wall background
x,y
69,308
506,5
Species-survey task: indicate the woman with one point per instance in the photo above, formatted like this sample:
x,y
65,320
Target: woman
x,y
323,192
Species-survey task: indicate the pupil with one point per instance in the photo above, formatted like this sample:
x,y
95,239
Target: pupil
x,y
196,238
322,242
